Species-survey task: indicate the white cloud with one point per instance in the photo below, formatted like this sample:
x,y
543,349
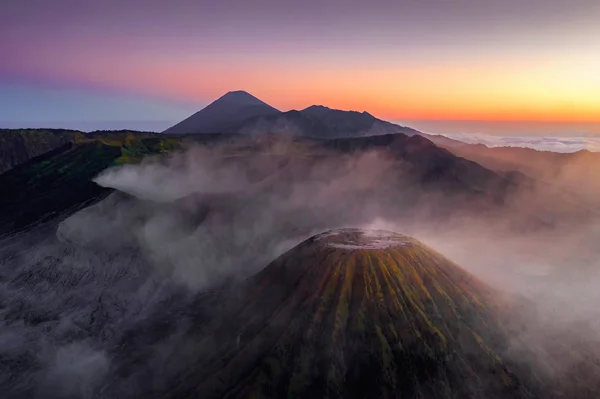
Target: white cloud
x,y
554,143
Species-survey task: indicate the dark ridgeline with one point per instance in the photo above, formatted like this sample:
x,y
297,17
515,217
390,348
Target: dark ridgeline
x,y
576,172
241,112
422,173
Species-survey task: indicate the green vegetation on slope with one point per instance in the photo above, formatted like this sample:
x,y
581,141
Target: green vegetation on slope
x,y
331,320
133,150
59,181
52,184
19,145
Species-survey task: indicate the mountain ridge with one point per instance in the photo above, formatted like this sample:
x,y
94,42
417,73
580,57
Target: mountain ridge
x,y
575,172
241,112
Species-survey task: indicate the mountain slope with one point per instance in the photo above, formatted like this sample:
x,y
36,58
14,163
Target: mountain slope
x,y
322,122
57,182
353,314
221,115
19,145
354,123
432,166
576,172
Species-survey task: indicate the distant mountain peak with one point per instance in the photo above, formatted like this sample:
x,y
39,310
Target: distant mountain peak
x,y
316,107
238,111
239,96
224,114
321,109
235,92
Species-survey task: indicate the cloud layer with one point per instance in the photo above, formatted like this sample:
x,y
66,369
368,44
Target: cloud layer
x,y
555,143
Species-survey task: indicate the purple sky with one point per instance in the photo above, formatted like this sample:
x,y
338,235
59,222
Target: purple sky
x,y
79,61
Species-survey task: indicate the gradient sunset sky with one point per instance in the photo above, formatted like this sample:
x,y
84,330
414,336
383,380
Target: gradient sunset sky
x,y
112,63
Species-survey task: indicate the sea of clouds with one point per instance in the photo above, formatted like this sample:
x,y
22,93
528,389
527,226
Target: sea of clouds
x,y
548,143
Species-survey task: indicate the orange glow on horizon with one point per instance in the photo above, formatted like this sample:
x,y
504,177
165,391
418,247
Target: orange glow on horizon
x,y
541,88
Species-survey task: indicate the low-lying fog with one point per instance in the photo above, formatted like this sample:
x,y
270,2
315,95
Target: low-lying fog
x,y
70,293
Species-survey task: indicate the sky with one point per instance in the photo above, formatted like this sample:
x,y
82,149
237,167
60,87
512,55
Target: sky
x,y
147,64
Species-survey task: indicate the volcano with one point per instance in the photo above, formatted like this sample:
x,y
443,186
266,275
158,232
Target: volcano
x,y
223,114
351,314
